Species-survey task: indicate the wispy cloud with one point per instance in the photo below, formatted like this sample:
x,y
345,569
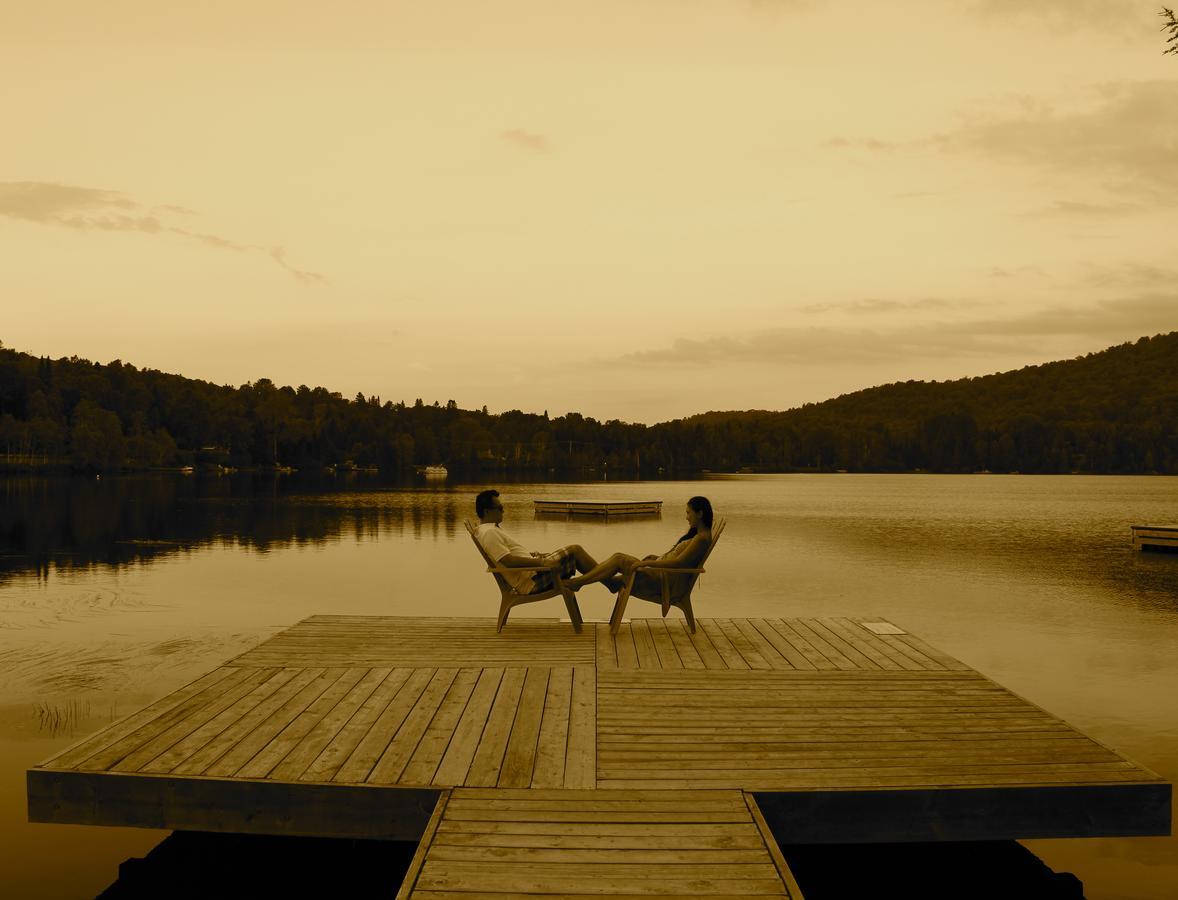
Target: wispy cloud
x,y
1126,137
1132,275
1068,15
862,143
875,305
527,140
1110,321
1129,133
1079,209
1016,272
94,209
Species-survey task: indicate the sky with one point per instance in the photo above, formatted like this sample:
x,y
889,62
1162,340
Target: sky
x,y
637,210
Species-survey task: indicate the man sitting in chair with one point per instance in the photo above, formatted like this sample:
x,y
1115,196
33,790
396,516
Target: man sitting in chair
x,y
510,553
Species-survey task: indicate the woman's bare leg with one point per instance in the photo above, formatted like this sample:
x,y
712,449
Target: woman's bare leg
x,y
614,565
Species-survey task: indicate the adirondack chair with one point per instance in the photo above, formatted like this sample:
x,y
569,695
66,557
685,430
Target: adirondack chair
x,y
669,594
512,598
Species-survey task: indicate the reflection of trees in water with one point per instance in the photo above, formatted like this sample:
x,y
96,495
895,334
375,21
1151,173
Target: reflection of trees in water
x,y
74,522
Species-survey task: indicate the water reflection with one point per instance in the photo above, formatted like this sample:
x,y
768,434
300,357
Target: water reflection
x,y
73,523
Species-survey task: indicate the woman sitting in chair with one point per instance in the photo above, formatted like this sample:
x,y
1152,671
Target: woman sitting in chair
x,y
687,553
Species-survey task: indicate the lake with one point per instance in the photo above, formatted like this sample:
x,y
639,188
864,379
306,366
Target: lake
x,y
116,591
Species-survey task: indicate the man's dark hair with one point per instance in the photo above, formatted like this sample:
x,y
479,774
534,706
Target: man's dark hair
x,y
483,502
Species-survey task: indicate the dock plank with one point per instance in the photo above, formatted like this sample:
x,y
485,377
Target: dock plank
x,y
332,723
600,751
581,756
519,758
371,746
455,764
488,756
603,843
354,727
552,745
404,744
426,758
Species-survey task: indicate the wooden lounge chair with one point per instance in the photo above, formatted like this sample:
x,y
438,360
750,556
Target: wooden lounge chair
x,y
512,598
671,594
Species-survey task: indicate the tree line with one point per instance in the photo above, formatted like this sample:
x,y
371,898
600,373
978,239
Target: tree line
x,y
1115,411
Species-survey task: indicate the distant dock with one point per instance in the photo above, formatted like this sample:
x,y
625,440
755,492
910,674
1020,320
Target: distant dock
x,y
1155,537
654,761
602,509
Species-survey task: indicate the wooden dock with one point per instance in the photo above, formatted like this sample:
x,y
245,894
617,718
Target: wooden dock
x,y
603,509
540,761
1155,537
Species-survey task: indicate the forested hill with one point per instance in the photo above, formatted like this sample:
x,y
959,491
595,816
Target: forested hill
x,y
1113,411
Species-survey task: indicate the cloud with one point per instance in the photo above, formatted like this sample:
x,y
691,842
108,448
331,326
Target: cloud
x,y
874,305
1132,275
528,140
775,6
1067,15
1127,136
861,143
1079,209
93,209
279,256
1017,272
1130,132
1107,321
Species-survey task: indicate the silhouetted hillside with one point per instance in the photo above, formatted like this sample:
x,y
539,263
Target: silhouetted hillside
x,y
1113,411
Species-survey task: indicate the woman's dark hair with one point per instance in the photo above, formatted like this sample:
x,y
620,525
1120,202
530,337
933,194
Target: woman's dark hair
x,y
703,506
483,502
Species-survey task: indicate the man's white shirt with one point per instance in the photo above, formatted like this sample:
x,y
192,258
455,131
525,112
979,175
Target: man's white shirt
x,y
498,544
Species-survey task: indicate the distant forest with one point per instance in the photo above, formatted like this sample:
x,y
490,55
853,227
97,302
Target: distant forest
x,y
1115,411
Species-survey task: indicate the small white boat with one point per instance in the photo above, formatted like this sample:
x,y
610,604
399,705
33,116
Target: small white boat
x,y
436,471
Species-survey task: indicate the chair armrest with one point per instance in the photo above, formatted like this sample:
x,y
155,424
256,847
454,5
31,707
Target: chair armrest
x,y
503,570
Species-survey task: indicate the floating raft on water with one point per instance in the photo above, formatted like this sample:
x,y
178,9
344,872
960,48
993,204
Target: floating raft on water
x,y
1155,537
653,761
605,508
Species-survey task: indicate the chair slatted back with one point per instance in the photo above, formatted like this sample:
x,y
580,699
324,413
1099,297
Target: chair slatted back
x,y
682,585
689,585
504,586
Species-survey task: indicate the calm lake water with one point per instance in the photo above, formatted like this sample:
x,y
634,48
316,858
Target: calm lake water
x,y
114,592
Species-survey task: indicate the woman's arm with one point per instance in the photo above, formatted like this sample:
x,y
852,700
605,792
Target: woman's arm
x,y
679,555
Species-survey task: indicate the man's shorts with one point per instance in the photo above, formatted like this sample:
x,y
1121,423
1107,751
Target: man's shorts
x,y
543,581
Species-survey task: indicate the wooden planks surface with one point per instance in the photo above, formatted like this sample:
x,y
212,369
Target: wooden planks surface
x,y
534,843
834,643
784,731
495,726
420,641
832,707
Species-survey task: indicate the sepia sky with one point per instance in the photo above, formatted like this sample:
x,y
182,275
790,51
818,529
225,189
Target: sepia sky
x,y
636,209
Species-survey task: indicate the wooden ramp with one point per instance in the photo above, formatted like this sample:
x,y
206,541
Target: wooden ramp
x,y
534,843
836,729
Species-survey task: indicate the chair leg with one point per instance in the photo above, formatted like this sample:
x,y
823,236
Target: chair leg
x,y
615,617
688,614
504,609
570,603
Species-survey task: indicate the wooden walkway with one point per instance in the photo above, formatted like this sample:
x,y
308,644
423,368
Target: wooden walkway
x,y
846,729
619,843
